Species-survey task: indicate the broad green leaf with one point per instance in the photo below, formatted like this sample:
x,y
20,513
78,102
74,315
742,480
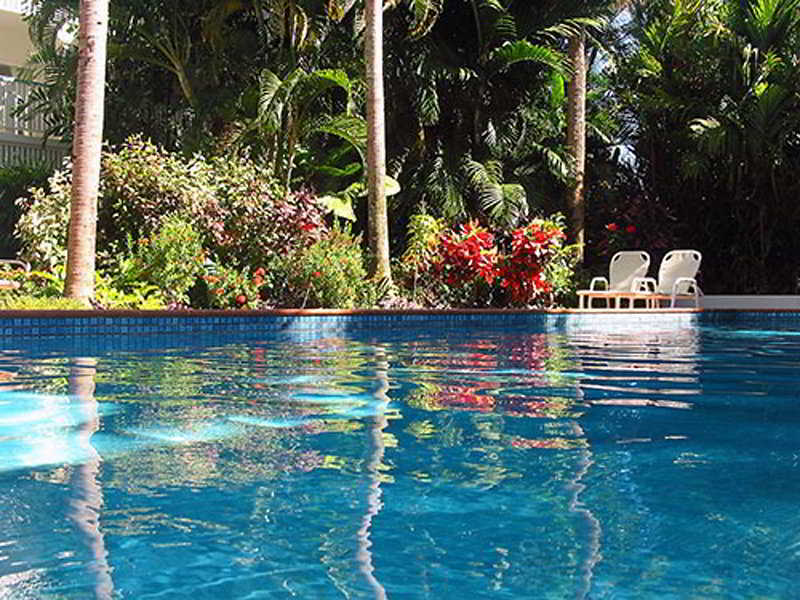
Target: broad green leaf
x,y
557,91
339,206
391,185
352,129
347,171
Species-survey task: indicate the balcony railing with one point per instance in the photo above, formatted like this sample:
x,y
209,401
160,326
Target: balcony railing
x,y
22,131
13,95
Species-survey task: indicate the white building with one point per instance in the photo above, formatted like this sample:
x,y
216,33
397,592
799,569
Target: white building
x,y
21,136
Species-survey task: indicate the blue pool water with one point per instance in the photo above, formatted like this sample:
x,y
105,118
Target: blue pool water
x,y
492,463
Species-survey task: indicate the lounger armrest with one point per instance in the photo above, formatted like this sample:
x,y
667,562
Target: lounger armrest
x,y
643,284
16,263
689,283
8,284
597,280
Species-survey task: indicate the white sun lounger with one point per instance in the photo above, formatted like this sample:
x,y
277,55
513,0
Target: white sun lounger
x,y
626,272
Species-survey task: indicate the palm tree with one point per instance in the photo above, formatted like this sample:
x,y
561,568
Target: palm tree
x,y
86,150
378,223
576,136
576,119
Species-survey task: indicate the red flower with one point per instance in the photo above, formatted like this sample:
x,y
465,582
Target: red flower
x,y
260,272
612,227
317,274
308,227
241,299
631,229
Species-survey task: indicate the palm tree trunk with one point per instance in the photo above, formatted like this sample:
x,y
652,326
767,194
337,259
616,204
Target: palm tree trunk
x,y
86,150
576,138
377,225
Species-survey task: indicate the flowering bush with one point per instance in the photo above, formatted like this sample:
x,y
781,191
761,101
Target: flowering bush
x,y
227,287
522,271
328,274
467,254
471,266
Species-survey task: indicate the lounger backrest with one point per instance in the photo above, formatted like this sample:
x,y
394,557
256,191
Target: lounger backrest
x,y
676,264
625,266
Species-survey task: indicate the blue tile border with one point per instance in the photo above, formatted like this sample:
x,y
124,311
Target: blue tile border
x,y
60,324
65,324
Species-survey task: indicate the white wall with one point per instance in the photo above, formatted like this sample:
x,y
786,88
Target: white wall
x,y
751,302
15,45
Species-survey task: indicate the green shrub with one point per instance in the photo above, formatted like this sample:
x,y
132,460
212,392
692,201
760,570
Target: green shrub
x,y
14,301
134,295
560,268
43,222
422,251
171,260
48,286
240,213
15,181
328,274
41,284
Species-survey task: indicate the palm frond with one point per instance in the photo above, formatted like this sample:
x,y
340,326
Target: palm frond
x,y
575,26
427,102
425,12
511,53
505,203
709,134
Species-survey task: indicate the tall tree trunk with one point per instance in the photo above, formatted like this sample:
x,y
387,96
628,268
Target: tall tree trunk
x,y
86,150
576,138
377,225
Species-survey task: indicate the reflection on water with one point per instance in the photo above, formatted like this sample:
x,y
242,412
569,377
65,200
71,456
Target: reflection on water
x,y
86,496
418,465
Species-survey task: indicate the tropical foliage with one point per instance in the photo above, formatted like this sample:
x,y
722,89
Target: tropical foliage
x,y
253,111
713,91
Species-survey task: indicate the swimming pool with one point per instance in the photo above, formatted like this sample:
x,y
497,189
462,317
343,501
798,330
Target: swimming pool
x,y
478,462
